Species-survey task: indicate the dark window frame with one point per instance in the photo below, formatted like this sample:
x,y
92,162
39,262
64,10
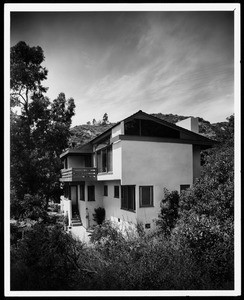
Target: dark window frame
x,y
116,191
151,193
127,203
91,197
105,190
82,192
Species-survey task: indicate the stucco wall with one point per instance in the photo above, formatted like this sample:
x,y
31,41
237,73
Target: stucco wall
x,y
148,215
82,211
90,205
165,164
112,205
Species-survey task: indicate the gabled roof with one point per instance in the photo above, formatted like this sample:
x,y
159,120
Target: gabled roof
x,y
141,114
87,148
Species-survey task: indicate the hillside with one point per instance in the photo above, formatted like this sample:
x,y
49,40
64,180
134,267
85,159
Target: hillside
x,y
82,134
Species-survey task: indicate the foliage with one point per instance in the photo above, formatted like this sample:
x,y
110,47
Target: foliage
x,y
106,232
105,119
206,223
26,73
169,212
40,133
82,134
45,259
99,215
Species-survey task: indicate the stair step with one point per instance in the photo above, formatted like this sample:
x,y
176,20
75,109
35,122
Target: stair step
x,y
76,224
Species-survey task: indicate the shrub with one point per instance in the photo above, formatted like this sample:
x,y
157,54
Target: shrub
x,y
169,212
99,215
45,259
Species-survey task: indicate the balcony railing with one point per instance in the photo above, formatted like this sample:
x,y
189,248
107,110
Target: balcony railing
x,y
79,174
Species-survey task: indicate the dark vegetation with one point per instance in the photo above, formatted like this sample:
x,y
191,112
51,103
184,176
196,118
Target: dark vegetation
x,y
192,248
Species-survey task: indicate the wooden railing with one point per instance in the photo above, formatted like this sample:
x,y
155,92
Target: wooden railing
x,y
79,174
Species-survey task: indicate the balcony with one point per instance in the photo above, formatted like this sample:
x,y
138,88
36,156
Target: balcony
x,y
78,174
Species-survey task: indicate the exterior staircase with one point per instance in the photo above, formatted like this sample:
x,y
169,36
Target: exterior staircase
x,y
75,220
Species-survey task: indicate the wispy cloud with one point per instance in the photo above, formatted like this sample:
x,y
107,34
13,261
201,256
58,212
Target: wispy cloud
x,y
169,62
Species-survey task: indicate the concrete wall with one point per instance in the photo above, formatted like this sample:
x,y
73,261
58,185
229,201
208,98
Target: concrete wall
x,y
161,165
91,205
66,206
151,163
113,205
148,215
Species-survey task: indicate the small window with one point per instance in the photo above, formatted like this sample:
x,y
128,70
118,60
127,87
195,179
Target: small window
x,y
146,196
116,191
91,193
82,192
184,187
105,190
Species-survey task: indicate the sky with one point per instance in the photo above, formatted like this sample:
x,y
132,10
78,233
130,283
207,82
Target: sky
x,y
121,62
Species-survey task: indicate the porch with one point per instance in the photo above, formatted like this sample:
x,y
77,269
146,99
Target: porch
x,y
79,174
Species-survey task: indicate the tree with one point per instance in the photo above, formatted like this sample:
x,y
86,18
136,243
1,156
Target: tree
x,y
26,73
94,122
169,212
105,119
40,132
206,222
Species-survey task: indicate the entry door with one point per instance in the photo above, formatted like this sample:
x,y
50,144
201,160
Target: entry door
x,y
73,194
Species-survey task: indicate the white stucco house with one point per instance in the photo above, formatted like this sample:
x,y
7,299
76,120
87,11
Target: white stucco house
x,y
126,168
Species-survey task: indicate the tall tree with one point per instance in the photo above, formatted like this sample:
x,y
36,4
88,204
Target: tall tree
x,y
40,132
26,73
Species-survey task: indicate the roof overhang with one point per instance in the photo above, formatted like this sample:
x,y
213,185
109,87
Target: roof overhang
x,y
84,150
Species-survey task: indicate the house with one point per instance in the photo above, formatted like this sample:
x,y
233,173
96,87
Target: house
x,y
126,168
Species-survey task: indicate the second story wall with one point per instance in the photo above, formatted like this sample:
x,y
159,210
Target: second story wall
x,y
152,163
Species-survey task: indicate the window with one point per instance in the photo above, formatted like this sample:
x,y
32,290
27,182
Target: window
x,y
110,159
104,160
146,196
184,187
105,190
91,193
116,191
128,197
82,192
142,127
65,163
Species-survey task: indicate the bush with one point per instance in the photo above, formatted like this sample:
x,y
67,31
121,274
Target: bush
x,y
169,212
45,259
99,215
